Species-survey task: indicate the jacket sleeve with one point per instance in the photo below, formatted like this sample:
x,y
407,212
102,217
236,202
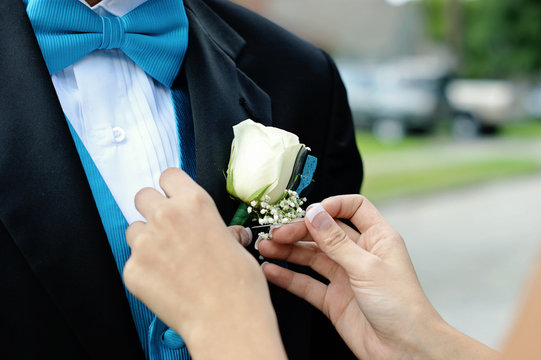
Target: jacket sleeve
x,y
341,169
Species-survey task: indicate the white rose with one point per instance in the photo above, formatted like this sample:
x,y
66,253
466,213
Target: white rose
x,y
262,160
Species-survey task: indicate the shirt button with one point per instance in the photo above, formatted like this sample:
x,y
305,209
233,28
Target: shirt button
x,y
172,340
119,134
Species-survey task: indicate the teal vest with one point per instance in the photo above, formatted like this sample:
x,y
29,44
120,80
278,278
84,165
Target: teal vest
x,y
157,340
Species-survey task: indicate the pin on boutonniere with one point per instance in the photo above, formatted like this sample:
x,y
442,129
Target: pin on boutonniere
x,y
268,171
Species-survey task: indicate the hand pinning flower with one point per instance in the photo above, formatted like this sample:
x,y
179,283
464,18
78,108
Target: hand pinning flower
x,y
267,171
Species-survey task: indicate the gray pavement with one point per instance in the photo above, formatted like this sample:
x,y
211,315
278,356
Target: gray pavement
x,y
473,250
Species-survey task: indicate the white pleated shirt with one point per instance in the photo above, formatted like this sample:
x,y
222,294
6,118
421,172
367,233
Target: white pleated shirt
x,y
125,118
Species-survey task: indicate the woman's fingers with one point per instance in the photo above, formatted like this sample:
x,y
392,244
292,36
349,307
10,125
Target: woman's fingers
x,y
359,210
294,232
174,182
301,285
300,253
334,242
241,234
148,201
133,231
304,254
290,233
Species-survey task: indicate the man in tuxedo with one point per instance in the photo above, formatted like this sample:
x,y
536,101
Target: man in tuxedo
x,y
89,118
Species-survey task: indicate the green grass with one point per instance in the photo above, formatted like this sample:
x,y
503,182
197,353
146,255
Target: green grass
x,y
523,129
426,164
368,144
380,187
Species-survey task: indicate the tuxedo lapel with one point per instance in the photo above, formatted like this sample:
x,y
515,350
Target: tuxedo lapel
x,y
221,96
46,203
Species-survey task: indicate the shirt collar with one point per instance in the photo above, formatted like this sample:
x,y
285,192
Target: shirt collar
x,y
115,7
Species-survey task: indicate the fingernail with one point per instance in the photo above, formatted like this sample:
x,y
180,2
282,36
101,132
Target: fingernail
x,y
246,236
318,217
256,245
273,227
263,264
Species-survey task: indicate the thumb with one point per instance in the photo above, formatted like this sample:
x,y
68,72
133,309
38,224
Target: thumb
x,y
333,241
243,235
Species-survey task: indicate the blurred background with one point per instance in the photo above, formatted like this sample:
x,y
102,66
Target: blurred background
x,y
446,99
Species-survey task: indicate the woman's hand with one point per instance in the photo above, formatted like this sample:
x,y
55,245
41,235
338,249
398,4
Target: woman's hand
x,y
191,271
373,297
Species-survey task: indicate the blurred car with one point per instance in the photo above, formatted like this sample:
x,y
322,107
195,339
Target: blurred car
x,y
479,106
412,95
396,98
531,103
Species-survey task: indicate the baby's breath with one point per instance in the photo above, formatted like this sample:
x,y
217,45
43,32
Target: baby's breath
x,y
283,211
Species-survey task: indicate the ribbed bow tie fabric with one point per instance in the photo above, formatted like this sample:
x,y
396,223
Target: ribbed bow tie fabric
x,y
154,35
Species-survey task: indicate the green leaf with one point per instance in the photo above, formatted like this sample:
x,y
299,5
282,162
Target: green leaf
x,y
229,184
258,194
229,179
241,215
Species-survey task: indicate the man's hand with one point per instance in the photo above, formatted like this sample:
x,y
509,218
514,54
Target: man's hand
x,y
191,271
373,298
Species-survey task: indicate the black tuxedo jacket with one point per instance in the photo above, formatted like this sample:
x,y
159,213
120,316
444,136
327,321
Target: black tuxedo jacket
x,y
61,296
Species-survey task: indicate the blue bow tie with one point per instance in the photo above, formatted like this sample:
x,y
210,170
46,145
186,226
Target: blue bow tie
x,y
154,35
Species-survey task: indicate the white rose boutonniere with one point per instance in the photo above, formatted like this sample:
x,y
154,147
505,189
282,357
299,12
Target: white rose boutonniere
x,y
268,169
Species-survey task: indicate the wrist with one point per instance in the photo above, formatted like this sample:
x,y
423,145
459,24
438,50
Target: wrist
x,y
256,337
432,338
241,326
429,338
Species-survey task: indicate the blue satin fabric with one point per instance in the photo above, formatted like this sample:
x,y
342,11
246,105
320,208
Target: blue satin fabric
x,y
68,30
